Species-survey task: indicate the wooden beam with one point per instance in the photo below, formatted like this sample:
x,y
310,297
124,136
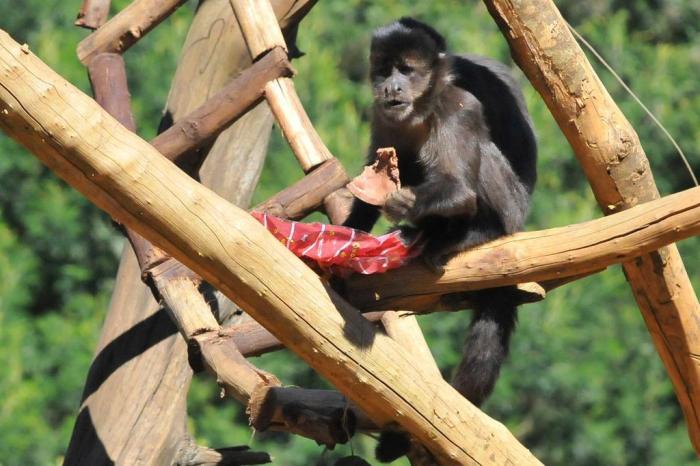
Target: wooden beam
x,y
308,194
226,106
193,455
262,33
295,124
403,328
178,288
129,179
551,257
258,25
126,27
93,13
537,256
609,151
107,73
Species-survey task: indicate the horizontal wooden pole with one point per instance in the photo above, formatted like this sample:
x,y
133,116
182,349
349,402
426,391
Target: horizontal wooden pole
x,y
129,179
540,255
126,27
223,108
306,195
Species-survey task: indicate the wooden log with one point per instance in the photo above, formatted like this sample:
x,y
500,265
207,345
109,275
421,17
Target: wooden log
x,y
93,13
338,205
239,378
176,285
308,194
226,106
228,248
262,33
540,255
296,127
403,328
170,281
178,143
609,151
184,302
126,27
193,455
107,73
252,339
259,26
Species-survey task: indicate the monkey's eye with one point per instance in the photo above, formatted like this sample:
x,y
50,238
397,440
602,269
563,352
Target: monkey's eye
x,y
381,71
404,68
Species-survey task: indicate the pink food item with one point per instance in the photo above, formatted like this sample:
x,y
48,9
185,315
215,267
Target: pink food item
x,y
378,180
338,249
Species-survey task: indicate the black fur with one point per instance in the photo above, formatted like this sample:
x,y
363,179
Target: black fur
x,y
467,162
391,445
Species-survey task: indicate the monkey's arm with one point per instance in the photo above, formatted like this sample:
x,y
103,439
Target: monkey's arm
x,y
445,197
452,174
362,216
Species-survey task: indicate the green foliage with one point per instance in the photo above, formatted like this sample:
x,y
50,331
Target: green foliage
x,y
584,384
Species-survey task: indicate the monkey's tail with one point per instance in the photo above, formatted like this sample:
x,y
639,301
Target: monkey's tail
x,y
486,345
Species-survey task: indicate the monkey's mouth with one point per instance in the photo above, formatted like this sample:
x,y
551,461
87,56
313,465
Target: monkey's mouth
x,y
395,104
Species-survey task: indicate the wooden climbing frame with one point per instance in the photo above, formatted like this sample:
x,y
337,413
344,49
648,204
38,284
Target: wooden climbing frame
x,y
182,237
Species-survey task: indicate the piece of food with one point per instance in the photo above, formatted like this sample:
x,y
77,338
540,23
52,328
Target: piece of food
x,y
379,180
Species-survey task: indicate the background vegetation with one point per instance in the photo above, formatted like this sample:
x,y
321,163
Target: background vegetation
x,y
583,385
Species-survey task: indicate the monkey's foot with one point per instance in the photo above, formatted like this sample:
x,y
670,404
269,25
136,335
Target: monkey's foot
x,y
435,262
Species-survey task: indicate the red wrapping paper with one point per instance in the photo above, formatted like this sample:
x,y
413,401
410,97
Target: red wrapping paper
x,y
338,249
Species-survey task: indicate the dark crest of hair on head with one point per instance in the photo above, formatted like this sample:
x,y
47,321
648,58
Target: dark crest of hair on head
x,y
407,34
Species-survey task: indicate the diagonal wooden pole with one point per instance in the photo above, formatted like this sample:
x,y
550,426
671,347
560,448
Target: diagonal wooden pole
x,y
612,158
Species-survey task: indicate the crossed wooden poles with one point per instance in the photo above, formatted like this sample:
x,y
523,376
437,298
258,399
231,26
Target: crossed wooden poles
x,y
386,376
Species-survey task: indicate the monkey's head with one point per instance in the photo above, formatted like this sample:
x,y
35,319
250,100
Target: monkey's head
x,y
407,67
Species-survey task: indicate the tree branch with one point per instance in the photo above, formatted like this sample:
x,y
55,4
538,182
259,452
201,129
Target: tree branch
x,y
126,27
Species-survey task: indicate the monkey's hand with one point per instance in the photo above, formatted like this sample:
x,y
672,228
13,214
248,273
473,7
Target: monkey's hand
x,y
399,204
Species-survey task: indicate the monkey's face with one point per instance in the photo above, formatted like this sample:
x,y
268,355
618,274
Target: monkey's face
x,y
399,82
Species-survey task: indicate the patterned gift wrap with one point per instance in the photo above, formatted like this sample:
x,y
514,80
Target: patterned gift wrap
x,y
338,249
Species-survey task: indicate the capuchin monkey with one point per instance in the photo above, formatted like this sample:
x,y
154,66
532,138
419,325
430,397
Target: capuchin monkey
x,y
467,163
